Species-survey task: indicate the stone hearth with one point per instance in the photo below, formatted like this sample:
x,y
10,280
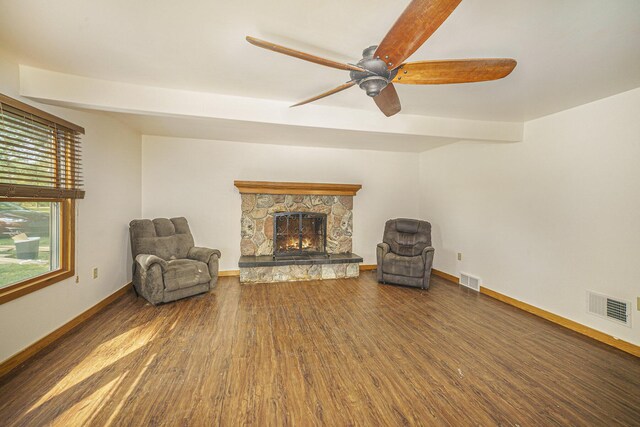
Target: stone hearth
x,y
260,269
259,204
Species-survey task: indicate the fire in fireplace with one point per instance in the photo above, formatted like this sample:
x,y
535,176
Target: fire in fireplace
x,y
299,233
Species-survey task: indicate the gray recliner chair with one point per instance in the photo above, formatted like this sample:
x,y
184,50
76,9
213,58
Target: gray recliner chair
x,y
405,257
166,264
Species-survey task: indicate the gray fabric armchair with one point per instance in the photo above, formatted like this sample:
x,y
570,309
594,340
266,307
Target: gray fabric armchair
x,y
405,255
166,264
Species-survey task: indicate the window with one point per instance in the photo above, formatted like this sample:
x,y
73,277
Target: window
x,y
40,178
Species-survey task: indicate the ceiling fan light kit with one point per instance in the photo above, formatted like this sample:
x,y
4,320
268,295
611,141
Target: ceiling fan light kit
x,y
382,65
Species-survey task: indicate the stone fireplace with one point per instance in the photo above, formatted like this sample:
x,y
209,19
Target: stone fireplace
x,y
296,231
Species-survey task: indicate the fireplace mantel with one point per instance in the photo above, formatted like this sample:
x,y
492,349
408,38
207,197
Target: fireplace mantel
x,y
319,189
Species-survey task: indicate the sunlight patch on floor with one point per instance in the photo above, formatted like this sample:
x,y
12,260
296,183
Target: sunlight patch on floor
x,y
85,410
130,390
104,355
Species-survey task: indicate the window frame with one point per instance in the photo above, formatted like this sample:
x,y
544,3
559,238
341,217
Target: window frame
x,y
64,196
66,267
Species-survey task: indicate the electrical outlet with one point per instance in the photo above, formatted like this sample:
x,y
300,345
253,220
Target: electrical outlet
x,y
638,307
459,256
77,279
95,272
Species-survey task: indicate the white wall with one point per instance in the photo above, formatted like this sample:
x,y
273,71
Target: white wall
x,y
111,167
194,178
546,219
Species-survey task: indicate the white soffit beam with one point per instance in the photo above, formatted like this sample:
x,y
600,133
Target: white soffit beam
x,y
84,92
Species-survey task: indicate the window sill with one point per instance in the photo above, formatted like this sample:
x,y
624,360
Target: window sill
x,y
34,284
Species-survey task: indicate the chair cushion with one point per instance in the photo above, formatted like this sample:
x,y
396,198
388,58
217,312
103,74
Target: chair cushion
x,y
407,237
409,266
184,273
165,238
405,225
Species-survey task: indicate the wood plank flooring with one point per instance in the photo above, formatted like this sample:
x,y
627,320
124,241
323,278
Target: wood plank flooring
x,y
336,352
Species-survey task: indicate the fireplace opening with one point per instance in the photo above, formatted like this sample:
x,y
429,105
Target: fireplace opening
x,y
299,233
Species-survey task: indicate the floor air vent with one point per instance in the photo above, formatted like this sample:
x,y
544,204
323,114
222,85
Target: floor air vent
x,y
610,308
470,281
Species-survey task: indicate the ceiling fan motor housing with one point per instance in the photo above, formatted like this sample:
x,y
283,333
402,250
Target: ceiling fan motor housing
x,y
377,76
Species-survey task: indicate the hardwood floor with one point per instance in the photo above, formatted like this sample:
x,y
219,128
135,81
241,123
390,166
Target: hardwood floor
x,y
337,352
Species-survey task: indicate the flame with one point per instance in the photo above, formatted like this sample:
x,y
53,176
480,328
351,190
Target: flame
x,y
292,244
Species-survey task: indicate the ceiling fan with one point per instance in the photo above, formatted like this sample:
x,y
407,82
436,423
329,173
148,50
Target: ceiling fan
x,y
383,65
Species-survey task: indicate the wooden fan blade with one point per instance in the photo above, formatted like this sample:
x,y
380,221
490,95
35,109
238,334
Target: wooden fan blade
x,y
416,24
301,55
388,101
454,71
347,85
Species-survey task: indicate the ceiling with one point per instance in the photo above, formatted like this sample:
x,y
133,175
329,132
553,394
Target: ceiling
x,y
569,52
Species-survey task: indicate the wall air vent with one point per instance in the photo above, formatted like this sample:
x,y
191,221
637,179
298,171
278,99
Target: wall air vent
x,y
469,281
610,308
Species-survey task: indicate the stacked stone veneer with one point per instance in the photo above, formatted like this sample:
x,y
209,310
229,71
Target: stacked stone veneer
x,y
257,220
290,273
257,235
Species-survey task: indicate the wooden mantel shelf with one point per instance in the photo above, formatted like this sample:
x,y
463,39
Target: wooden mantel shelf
x,y
268,187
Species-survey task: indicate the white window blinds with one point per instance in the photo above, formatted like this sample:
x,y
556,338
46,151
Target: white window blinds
x,y
40,155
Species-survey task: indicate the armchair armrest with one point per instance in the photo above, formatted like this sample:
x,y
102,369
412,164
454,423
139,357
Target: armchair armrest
x,y
384,247
427,257
426,251
381,250
202,254
145,261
